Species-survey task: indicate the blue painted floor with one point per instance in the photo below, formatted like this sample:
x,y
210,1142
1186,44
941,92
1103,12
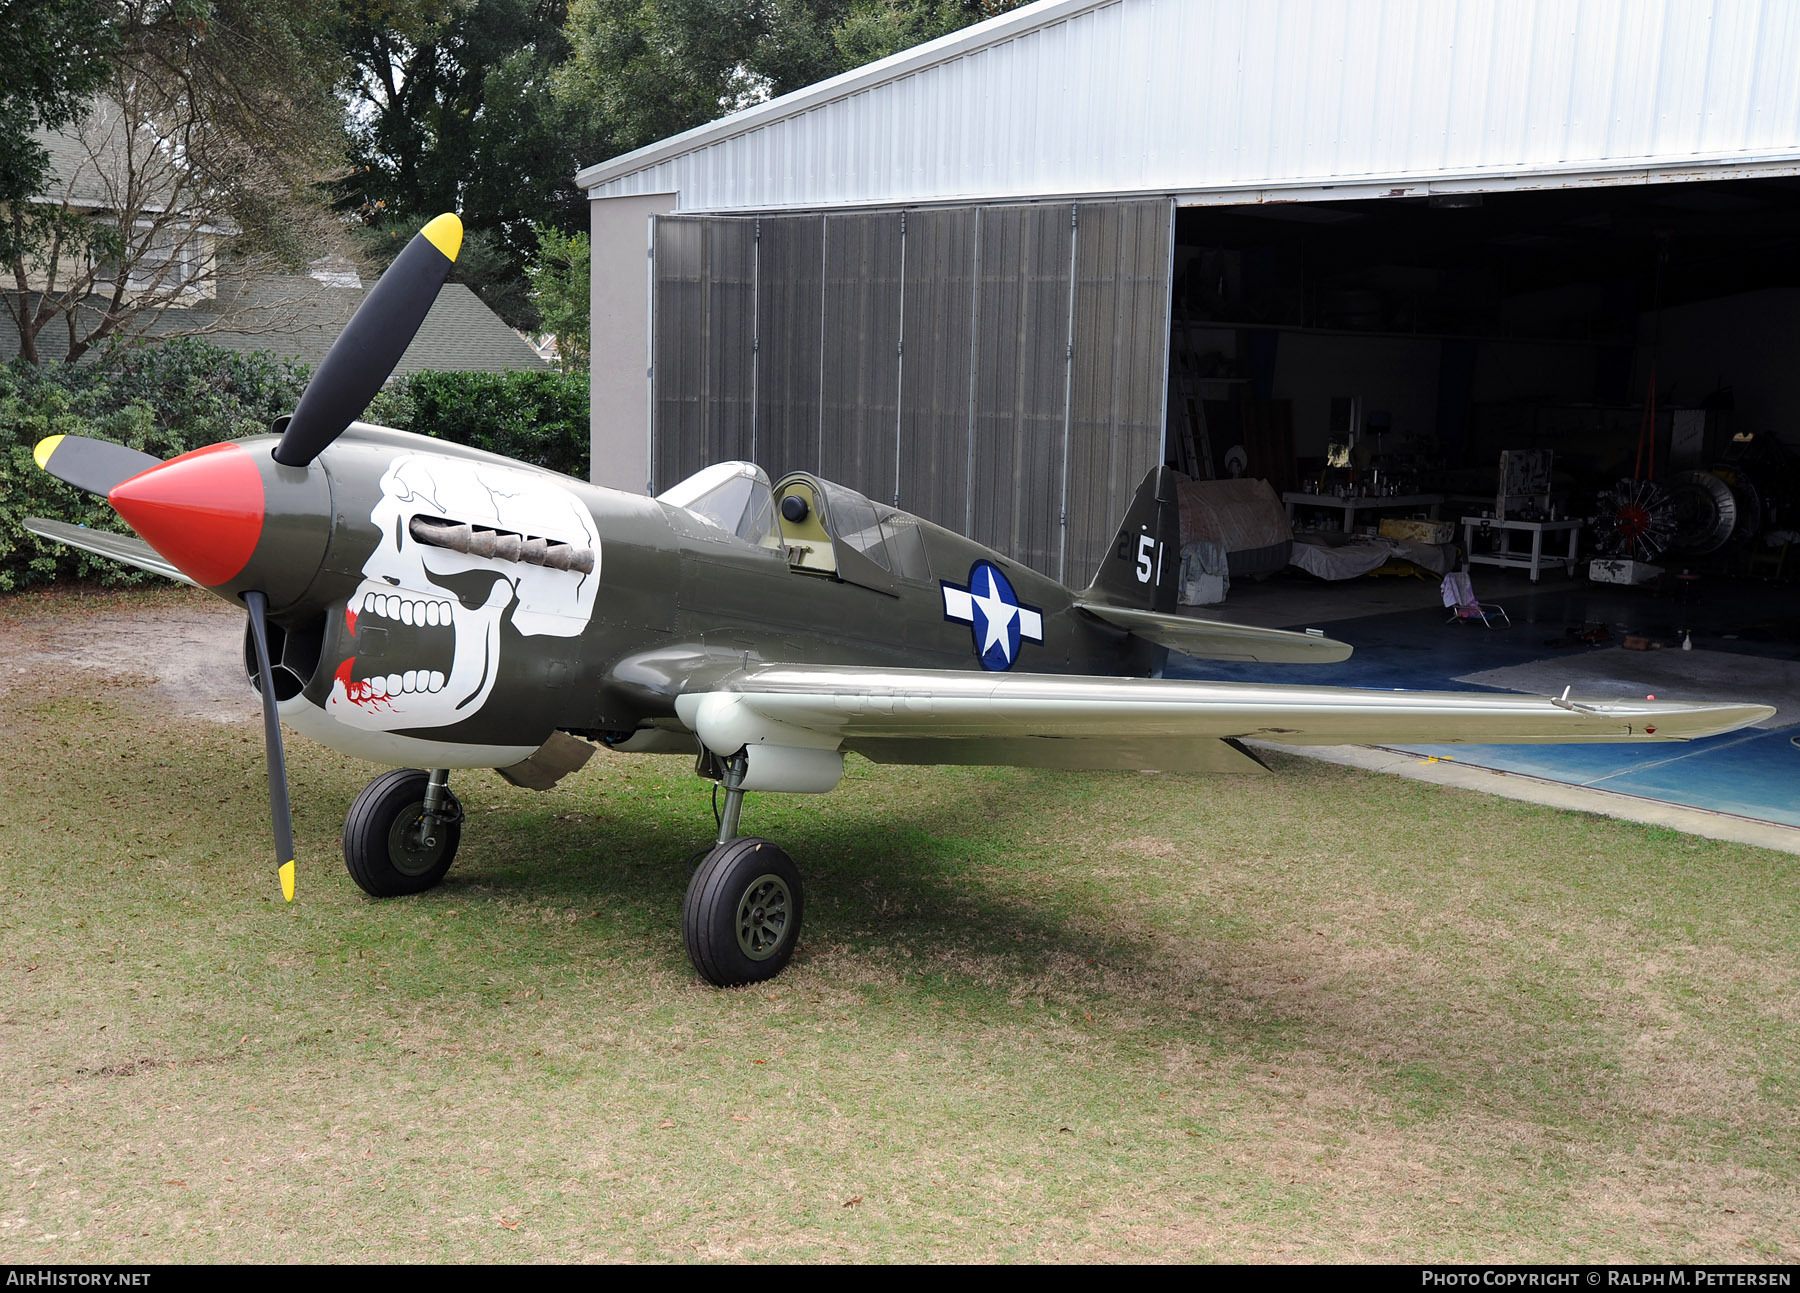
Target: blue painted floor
x,y
1753,773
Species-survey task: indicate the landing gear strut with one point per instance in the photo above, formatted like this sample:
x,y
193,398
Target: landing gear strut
x,y
400,835
741,917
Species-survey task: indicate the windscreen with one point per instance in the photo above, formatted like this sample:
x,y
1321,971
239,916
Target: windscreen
x,y
734,496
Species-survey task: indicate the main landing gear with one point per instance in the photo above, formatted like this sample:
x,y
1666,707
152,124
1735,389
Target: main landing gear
x,y
741,916
740,919
400,835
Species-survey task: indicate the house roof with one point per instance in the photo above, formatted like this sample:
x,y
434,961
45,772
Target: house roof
x,y
91,159
299,317
73,173
462,335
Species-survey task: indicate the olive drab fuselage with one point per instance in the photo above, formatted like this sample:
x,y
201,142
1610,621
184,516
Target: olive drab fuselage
x,y
672,603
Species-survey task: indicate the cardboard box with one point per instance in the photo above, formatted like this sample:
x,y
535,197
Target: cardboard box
x,y
1419,531
1618,570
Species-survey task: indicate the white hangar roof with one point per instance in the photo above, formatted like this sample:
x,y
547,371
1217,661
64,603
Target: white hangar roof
x,y
1248,100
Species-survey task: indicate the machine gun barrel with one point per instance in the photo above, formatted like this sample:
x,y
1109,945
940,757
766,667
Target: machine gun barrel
x,y
480,541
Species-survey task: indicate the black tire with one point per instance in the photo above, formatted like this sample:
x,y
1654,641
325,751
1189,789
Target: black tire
x,y
381,848
741,917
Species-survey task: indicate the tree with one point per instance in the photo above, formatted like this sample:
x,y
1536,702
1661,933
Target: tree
x,y
50,63
454,112
645,69
874,29
482,265
489,107
642,70
559,288
216,120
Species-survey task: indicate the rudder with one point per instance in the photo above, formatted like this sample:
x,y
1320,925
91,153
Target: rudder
x,y
1142,569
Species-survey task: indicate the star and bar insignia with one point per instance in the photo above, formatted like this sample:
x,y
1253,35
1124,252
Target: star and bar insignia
x,y
996,618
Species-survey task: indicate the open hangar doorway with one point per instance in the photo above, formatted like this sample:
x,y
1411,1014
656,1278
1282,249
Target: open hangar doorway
x,y
1633,330
1431,333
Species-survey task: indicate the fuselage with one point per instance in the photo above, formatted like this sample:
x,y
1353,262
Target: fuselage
x,y
396,648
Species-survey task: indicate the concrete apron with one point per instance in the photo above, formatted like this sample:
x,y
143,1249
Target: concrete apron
x,y
1555,794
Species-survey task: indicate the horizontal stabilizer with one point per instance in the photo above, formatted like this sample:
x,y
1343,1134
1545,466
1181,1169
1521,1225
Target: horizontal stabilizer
x,y
93,465
104,543
1217,640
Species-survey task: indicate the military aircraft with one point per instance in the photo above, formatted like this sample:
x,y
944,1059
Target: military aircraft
x,y
422,604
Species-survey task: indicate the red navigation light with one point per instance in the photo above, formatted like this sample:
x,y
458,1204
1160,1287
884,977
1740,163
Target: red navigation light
x,y
203,510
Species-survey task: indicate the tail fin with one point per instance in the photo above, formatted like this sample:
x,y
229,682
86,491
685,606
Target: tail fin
x,y
1142,569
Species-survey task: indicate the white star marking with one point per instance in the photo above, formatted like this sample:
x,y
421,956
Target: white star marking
x,y
999,615
988,610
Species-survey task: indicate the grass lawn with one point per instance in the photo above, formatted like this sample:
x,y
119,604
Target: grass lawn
x,y
1324,1015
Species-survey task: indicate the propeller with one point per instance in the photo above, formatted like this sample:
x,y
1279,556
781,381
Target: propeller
x,y
365,353
92,465
205,511
279,813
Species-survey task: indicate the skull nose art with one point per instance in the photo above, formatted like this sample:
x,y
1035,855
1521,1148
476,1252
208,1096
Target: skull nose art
x,y
203,510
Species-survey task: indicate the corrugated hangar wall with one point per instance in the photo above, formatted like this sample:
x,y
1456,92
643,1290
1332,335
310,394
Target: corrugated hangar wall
x,y
999,370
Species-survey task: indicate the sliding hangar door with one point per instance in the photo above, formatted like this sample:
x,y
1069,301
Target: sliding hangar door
x,y
1000,370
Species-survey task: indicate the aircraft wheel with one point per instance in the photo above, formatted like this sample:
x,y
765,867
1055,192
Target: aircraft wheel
x,y
741,918
389,848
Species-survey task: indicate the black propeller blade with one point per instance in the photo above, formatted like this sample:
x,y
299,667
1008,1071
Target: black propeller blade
x,y
365,353
278,794
93,465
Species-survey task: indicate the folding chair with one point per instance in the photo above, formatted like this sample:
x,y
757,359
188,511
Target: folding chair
x,y
1459,597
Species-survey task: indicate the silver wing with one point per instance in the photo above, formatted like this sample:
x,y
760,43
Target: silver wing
x,y
104,543
1057,721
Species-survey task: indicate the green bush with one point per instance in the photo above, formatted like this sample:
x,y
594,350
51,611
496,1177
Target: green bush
x,y
25,491
164,399
169,398
539,417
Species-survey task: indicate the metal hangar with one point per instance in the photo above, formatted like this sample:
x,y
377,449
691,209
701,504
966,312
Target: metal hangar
x,y
996,277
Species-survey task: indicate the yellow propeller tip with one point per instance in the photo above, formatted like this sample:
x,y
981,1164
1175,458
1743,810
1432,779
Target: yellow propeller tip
x,y
287,880
445,233
45,448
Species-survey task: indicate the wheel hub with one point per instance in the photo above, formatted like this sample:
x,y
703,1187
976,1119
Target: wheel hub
x,y
415,845
762,917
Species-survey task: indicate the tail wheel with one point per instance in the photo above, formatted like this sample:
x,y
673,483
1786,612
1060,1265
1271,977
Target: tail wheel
x,y
389,846
741,918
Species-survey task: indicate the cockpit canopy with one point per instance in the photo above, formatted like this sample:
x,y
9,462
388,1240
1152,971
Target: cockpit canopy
x,y
831,530
886,536
736,497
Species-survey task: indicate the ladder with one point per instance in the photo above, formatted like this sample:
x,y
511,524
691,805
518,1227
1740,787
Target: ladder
x,y
1193,443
